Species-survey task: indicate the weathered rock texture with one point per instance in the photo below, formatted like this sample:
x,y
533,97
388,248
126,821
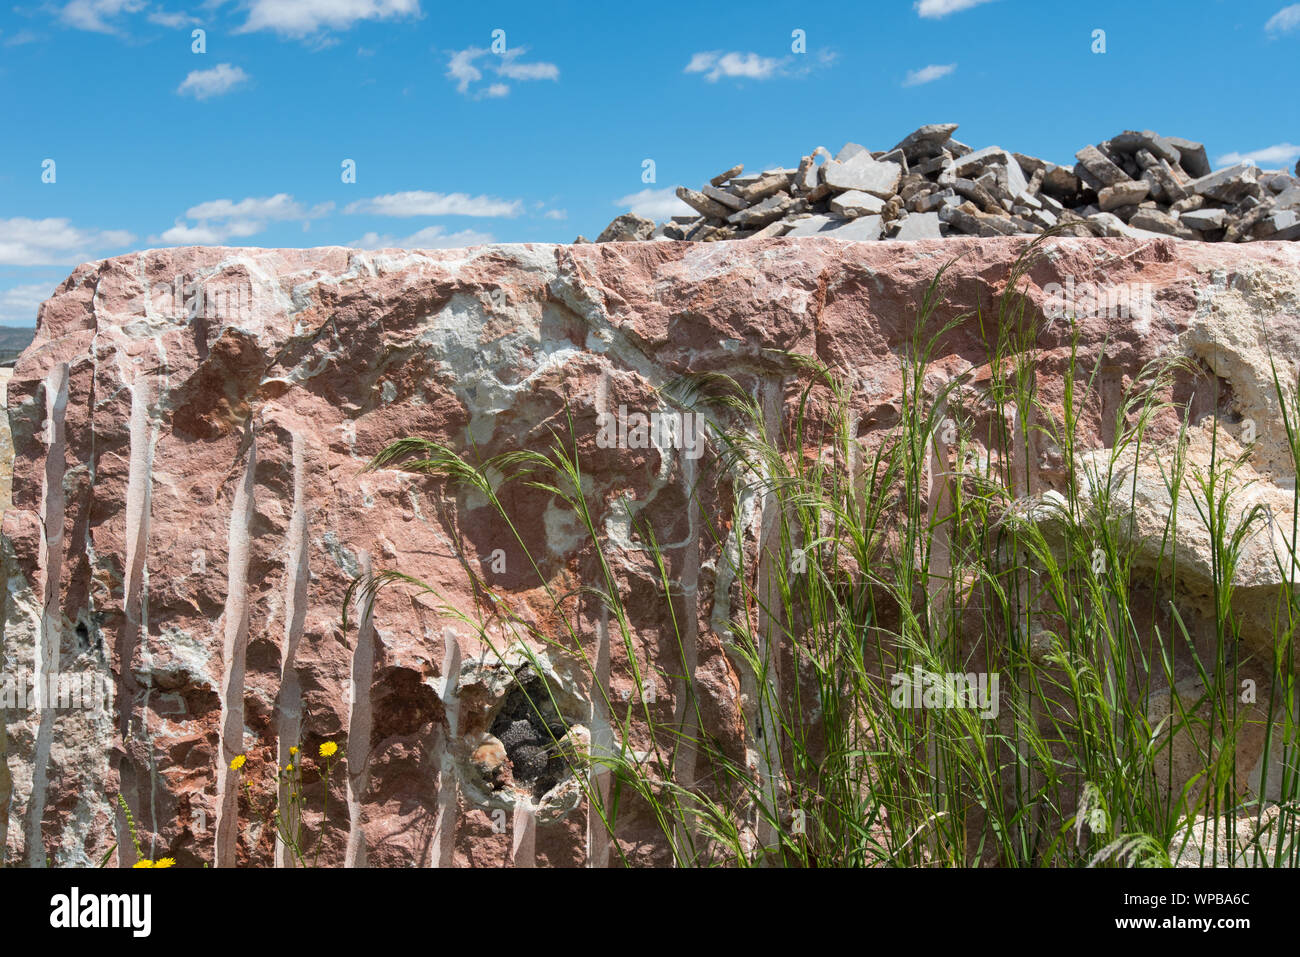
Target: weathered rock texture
x,y
189,508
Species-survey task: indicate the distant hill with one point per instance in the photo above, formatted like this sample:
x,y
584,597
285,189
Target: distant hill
x,y
13,340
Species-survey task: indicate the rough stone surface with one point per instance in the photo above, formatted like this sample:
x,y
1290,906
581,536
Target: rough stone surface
x,y
189,510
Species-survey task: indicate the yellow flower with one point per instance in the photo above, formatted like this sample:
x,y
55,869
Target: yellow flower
x,y
288,767
142,864
238,762
328,749
294,750
165,862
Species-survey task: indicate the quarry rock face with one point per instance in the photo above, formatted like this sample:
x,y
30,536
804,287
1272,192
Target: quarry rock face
x,y
190,509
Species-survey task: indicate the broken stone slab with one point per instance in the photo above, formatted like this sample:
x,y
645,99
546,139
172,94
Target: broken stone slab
x,y
1099,167
1029,165
807,175
848,151
629,227
920,226
1227,185
926,140
994,180
1132,141
914,185
1156,221
1289,233
1108,224
993,155
1192,156
1276,181
977,194
862,229
769,183
702,204
729,174
1204,220
1288,199
818,193
760,214
778,228
856,203
1248,225
934,201
863,173
811,225
1186,205
964,218
1164,184
723,196
1127,193
1042,217
894,156
1278,221
932,166
1060,181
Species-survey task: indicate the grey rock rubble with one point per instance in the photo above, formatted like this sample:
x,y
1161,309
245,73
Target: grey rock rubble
x,y
1138,184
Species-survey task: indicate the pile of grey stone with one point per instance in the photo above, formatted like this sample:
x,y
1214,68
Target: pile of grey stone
x,y
931,186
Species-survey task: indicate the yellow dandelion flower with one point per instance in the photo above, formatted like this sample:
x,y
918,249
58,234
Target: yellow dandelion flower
x,y
294,750
238,762
288,767
142,864
328,749
165,862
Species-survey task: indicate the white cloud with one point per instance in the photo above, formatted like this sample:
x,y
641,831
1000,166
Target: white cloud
x,y
165,19
656,204
418,202
525,71
281,206
462,69
556,214
1280,154
18,304
94,15
53,242
750,66
935,9
928,74
300,18
219,220
202,84
21,37
431,237
1285,20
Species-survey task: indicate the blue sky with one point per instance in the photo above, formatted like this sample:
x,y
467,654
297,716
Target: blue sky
x,y
545,137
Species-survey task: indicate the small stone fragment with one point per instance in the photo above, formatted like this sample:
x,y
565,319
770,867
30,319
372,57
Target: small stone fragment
x,y
729,174
856,203
627,228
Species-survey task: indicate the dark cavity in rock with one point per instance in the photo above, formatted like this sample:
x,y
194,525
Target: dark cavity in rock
x,y
528,725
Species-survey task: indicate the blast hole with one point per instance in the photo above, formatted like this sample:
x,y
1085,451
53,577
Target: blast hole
x,y
528,726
